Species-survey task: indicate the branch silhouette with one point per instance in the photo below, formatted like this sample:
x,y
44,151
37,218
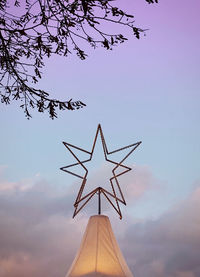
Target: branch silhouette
x,y
32,30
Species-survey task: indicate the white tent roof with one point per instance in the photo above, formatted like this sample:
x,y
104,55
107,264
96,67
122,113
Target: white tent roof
x,y
99,254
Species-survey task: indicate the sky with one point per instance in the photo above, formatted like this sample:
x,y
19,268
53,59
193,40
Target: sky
x,y
143,90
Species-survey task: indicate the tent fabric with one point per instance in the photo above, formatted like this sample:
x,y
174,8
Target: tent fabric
x,y
99,254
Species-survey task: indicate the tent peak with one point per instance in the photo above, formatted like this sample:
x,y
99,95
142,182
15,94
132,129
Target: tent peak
x,y
99,254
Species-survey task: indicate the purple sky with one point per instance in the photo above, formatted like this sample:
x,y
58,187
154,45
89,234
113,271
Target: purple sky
x,y
143,90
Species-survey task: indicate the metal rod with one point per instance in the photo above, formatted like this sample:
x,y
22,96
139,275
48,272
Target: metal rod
x,y
78,210
99,202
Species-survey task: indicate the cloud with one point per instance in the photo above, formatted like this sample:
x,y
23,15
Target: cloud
x,y
169,246
39,238
139,181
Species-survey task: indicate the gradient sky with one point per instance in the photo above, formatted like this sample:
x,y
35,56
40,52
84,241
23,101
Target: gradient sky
x,y
145,89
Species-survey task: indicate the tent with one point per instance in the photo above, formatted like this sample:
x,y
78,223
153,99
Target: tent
x,y
99,254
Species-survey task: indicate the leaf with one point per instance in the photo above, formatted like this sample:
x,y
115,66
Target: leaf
x,y
22,32
106,44
136,32
37,72
51,108
69,105
17,4
85,6
39,41
152,1
27,114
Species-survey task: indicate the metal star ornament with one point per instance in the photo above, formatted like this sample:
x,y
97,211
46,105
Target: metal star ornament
x,y
113,199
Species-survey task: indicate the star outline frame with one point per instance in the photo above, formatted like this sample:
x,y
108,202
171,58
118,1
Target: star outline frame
x,y
114,178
